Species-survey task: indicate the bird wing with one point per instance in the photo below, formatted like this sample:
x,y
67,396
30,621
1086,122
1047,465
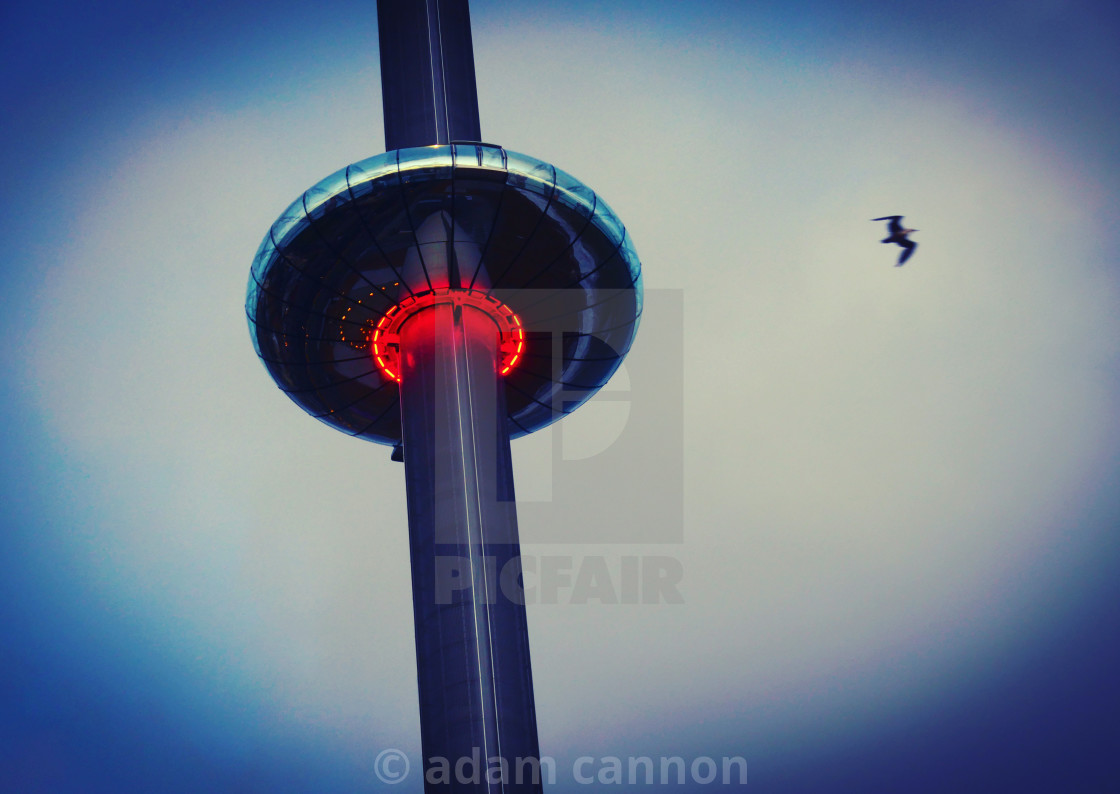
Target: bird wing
x,y
895,225
908,247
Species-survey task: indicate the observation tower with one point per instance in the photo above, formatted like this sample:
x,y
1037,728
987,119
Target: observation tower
x,y
442,298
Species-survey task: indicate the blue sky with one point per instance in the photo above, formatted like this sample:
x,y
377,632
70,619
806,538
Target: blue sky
x,y
900,524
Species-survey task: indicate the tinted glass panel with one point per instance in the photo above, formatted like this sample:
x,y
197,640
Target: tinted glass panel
x,y
527,173
573,193
289,220
428,161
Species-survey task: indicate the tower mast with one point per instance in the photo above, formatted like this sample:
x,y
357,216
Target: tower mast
x,y
428,88
472,647
441,298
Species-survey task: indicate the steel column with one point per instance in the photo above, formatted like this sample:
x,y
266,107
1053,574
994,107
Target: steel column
x,y
428,89
472,649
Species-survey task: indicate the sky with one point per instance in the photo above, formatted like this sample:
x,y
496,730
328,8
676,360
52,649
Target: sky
x,y
890,493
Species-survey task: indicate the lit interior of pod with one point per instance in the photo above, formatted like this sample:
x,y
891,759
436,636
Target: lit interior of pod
x,y
385,340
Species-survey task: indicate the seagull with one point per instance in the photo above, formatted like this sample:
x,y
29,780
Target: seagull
x,y
899,235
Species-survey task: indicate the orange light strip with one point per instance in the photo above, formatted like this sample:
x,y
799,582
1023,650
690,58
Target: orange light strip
x,y
385,343
514,347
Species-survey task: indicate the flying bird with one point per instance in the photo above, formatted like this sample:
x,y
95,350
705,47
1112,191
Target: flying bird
x,y
899,235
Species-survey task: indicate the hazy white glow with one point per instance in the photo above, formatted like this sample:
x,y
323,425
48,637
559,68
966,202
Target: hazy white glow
x,y
879,462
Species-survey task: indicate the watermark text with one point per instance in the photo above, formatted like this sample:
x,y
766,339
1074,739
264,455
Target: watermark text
x,y
559,579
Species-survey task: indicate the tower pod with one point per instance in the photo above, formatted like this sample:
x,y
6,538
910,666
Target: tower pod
x,y
396,229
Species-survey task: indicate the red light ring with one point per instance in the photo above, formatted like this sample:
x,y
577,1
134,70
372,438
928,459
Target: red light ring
x,y
385,341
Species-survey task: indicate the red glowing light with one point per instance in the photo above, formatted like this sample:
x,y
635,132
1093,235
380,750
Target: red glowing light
x,y
386,343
